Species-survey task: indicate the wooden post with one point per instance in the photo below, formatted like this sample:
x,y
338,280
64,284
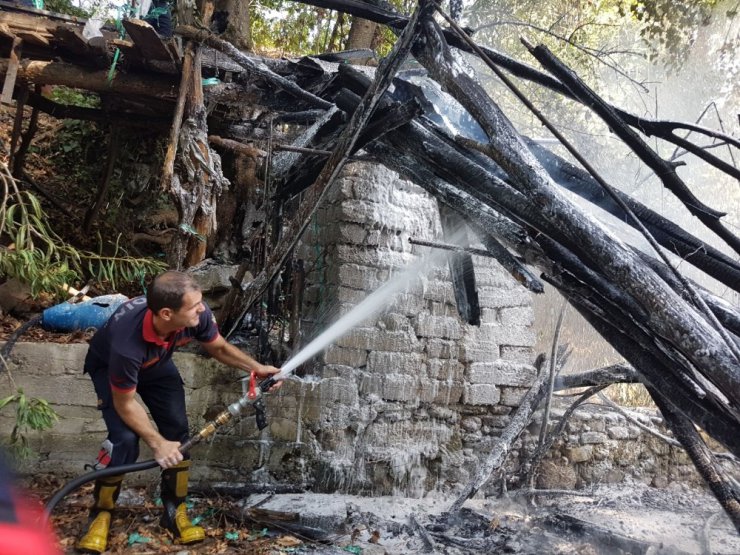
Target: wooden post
x,y
18,122
113,144
20,156
10,75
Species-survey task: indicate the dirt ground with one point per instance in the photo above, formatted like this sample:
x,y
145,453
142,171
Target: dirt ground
x,y
616,519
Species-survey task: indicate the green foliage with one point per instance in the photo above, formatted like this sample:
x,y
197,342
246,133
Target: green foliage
x,y
74,97
31,414
33,253
669,27
298,28
65,7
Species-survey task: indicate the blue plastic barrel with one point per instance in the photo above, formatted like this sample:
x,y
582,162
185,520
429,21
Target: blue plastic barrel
x,y
68,317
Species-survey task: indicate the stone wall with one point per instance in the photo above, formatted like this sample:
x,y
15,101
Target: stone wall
x,y
602,446
418,388
599,447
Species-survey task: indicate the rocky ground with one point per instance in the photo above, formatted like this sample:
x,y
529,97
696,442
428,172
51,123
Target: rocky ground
x,y
617,519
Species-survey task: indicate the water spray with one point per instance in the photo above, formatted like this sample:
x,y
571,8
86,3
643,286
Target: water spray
x,y
371,305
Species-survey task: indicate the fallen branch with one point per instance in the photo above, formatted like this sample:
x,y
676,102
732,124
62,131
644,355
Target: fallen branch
x,y
423,534
502,444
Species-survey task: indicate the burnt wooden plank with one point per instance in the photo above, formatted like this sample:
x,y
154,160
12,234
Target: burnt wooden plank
x,y
70,41
147,40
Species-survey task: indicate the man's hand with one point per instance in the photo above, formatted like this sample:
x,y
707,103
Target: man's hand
x,y
167,453
264,371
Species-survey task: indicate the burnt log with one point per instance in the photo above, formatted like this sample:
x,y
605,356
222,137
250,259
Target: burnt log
x,y
70,75
616,373
704,460
666,171
253,66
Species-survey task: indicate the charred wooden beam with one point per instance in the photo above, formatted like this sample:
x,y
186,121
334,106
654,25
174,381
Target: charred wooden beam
x,y
253,66
65,111
70,75
114,137
17,122
19,156
666,171
461,270
12,72
600,536
236,146
616,373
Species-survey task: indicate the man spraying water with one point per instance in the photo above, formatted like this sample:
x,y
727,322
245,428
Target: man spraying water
x,y
132,353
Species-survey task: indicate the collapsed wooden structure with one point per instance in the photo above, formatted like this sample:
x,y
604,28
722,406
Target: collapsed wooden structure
x,y
681,340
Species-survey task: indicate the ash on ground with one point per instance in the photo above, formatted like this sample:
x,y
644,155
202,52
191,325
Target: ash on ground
x,y
624,518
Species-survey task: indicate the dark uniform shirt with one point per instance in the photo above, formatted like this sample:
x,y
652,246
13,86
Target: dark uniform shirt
x,y
131,351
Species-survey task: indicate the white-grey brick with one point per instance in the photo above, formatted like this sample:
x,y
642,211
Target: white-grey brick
x,y
448,393
445,369
346,357
524,355
478,351
481,394
506,335
501,373
588,438
396,363
394,321
380,258
359,277
498,298
438,326
441,348
517,316
373,339
438,291
512,396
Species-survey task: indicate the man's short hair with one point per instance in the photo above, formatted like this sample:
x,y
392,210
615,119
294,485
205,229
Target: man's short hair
x,y
168,289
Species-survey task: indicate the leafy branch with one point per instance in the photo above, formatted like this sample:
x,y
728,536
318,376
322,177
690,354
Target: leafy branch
x,y
33,253
31,414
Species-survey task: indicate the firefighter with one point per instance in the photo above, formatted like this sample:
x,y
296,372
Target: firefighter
x,y
19,521
130,354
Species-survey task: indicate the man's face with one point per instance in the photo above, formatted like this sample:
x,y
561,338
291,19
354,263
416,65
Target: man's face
x,y
189,313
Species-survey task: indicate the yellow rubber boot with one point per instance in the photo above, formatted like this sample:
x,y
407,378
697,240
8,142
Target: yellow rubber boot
x,y
105,495
175,517
96,538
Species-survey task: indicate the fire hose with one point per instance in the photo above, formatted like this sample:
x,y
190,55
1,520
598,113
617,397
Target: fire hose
x,y
252,395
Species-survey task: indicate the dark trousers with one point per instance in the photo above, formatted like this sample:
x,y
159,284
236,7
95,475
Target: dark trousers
x,y
164,396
